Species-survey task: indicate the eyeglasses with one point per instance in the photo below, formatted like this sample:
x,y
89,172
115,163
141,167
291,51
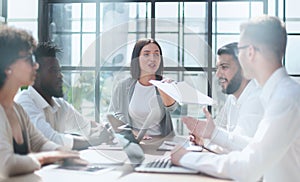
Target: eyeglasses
x,y
30,58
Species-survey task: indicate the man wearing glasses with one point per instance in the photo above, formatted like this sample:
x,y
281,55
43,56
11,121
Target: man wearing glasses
x,y
50,113
274,151
238,120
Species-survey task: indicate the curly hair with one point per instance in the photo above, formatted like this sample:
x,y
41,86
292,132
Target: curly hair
x,y
46,49
12,42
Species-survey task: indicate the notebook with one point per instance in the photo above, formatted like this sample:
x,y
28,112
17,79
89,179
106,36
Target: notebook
x,y
136,156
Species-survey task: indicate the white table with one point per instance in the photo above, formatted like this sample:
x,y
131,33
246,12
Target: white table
x,y
121,173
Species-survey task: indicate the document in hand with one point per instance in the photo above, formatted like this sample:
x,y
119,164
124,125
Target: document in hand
x,y
183,93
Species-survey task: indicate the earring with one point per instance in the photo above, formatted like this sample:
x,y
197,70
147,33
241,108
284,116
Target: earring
x,y
9,72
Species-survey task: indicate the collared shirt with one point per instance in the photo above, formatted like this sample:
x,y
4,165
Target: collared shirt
x,y
240,117
56,122
274,151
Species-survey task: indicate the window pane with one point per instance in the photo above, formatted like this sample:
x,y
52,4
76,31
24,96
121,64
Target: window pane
x,y
139,10
166,25
22,9
293,25
168,43
139,17
196,50
195,17
166,15
79,89
113,14
291,9
230,9
89,17
166,10
88,57
66,17
106,86
30,26
21,17
70,45
257,9
140,27
113,45
292,59
229,25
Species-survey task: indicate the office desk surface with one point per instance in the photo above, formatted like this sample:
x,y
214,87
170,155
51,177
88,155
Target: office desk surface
x,y
123,173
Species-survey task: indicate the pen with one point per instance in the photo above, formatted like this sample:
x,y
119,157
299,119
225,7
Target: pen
x,y
170,143
209,150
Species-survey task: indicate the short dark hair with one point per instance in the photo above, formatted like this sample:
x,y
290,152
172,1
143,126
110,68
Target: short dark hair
x,y
12,42
135,65
46,49
230,49
266,30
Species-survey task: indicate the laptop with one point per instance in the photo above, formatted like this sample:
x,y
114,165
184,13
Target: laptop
x,y
136,154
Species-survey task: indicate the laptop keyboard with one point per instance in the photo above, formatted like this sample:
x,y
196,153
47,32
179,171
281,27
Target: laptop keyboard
x,y
160,163
163,165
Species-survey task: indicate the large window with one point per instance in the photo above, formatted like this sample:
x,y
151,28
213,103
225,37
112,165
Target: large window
x,y
22,17
97,37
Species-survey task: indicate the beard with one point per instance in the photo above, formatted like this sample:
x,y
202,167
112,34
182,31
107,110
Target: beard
x,y
234,83
53,91
58,93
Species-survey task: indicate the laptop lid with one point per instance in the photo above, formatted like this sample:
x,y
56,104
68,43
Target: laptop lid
x,y
136,154
128,142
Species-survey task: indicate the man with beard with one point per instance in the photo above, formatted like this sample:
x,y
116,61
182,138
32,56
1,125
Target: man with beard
x,y
238,120
50,113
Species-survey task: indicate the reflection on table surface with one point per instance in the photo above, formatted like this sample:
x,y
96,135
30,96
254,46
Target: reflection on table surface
x,y
118,167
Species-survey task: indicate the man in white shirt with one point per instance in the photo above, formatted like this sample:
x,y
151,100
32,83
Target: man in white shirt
x,y
238,120
51,114
273,153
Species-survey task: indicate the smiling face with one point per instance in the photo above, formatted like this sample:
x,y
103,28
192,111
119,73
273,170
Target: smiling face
x,y
149,59
228,73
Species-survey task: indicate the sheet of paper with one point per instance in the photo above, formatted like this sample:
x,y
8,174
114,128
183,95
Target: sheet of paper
x,y
170,145
183,93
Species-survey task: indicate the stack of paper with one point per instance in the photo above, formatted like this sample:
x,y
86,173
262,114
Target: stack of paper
x,y
183,93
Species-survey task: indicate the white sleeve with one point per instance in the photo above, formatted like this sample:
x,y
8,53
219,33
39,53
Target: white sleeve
x,y
262,154
38,118
75,122
229,140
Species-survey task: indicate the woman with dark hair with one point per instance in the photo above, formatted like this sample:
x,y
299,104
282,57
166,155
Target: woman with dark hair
x,y
138,103
23,149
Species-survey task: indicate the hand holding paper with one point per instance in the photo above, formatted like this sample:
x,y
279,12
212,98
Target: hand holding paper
x,y
183,93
